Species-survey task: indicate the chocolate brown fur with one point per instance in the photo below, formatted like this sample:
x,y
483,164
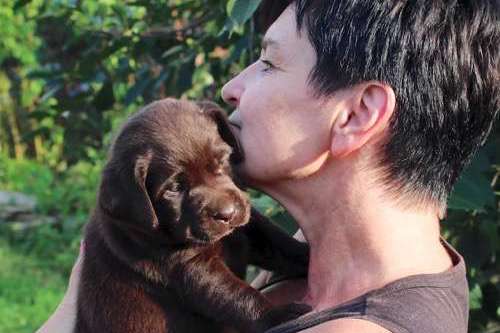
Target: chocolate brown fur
x,y
168,243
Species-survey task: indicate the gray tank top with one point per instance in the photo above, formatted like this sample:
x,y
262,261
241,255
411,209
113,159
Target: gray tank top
x,y
426,303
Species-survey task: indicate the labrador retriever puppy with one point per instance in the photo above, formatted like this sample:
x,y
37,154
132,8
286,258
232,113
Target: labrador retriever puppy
x,y
171,235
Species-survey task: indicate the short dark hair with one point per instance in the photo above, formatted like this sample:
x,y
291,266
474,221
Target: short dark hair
x,y
442,60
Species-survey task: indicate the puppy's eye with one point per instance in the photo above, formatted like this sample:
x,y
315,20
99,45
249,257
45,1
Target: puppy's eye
x,y
169,190
169,194
181,181
175,184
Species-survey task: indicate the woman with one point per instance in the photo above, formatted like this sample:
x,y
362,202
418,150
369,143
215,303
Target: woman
x,y
357,119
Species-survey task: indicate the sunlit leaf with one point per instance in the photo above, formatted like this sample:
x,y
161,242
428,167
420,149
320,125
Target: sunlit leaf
x,y
475,297
51,92
241,10
265,205
172,51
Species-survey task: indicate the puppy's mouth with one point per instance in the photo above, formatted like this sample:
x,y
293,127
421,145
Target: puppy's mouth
x,y
209,230
198,236
237,155
204,239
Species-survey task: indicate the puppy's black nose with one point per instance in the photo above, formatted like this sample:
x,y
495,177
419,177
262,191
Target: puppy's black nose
x,y
224,213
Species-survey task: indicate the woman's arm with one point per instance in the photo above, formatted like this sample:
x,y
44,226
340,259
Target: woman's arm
x,y
63,319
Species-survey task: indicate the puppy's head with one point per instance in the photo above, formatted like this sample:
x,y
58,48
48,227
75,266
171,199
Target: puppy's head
x,y
169,174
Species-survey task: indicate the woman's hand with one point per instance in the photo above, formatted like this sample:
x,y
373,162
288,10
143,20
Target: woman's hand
x,y
64,318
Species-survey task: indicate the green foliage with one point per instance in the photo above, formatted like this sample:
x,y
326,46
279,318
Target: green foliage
x,y
29,292
71,192
239,11
17,31
472,226
72,71
28,177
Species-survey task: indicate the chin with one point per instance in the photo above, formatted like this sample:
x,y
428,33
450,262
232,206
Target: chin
x,y
256,179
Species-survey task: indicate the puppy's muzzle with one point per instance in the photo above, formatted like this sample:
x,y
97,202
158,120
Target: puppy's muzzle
x,y
223,211
226,206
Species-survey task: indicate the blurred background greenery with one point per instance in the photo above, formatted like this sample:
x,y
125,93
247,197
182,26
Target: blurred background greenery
x,y
71,71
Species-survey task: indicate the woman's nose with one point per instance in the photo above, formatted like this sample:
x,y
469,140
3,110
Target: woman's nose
x,y
231,92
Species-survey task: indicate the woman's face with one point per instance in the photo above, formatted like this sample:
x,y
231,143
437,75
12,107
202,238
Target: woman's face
x,y
283,129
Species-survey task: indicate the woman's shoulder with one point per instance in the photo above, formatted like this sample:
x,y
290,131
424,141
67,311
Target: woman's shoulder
x,y
346,325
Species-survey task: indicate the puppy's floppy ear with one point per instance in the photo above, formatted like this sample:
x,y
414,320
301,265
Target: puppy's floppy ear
x,y
215,112
123,193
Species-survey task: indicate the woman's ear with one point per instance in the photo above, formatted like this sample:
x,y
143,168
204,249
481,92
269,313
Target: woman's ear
x,y
363,117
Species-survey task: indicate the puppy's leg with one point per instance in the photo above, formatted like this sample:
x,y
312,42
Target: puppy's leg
x,y
208,287
272,249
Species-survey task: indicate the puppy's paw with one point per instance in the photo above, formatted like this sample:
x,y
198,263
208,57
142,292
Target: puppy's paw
x,y
296,259
300,253
281,314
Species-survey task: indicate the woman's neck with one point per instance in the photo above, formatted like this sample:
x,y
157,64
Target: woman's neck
x,y
359,239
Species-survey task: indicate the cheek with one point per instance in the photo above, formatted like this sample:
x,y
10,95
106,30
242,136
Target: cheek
x,y
283,128
277,147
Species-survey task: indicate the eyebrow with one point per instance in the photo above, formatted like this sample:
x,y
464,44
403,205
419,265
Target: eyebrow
x,y
267,42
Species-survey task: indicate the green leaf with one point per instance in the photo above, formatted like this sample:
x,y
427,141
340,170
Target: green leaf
x,y
265,205
143,80
105,98
241,10
475,297
160,80
137,89
20,4
489,234
172,51
473,190
475,246
51,92
184,78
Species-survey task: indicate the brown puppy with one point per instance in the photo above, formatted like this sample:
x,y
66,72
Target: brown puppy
x,y
168,242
